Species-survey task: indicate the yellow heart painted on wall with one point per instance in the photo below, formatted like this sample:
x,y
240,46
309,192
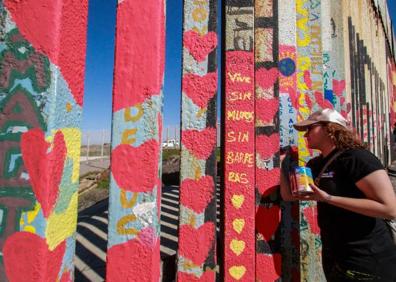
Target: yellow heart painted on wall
x,y
237,200
237,272
238,225
237,246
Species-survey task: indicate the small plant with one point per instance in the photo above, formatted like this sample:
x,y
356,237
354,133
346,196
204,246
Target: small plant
x,y
167,153
104,183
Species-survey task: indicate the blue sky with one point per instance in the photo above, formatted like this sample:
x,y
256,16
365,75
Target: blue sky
x,y
100,58
392,12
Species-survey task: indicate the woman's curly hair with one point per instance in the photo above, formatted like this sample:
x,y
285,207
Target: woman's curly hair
x,y
342,137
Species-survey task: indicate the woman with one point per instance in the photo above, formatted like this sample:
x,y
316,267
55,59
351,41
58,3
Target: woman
x,y
354,195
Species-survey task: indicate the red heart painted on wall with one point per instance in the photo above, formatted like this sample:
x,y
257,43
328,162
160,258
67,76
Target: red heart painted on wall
x,y
133,261
195,243
270,267
197,194
135,169
200,89
267,181
345,113
27,258
200,143
267,146
267,221
348,107
266,109
59,32
207,276
45,169
338,87
266,78
198,45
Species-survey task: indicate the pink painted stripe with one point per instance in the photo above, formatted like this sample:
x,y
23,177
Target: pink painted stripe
x,y
239,256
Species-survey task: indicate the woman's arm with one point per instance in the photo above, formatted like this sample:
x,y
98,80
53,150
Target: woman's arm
x,y
380,202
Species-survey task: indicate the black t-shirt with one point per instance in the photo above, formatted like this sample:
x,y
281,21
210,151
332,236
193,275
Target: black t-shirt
x,y
345,232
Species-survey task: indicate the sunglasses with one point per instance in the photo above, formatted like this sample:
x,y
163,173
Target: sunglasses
x,y
310,127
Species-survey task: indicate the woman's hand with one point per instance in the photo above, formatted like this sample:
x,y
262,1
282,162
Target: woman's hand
x,y
380,203
318,195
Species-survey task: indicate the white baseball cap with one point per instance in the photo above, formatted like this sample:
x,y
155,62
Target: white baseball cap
x,y
324,115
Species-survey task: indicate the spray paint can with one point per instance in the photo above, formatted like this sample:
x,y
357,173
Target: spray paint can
x,y
302,179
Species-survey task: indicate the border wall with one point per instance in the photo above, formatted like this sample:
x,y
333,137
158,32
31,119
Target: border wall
x,y
281,60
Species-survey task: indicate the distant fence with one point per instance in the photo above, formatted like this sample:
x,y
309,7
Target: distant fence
x,y
98,142
95,143
172,133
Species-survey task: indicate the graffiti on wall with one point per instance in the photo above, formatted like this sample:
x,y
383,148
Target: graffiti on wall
x,y
135,186
239,178
333,57
41,99
303,68
288,107
267,173
197,227
310,99
282,61
392,92
22,113
368,92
